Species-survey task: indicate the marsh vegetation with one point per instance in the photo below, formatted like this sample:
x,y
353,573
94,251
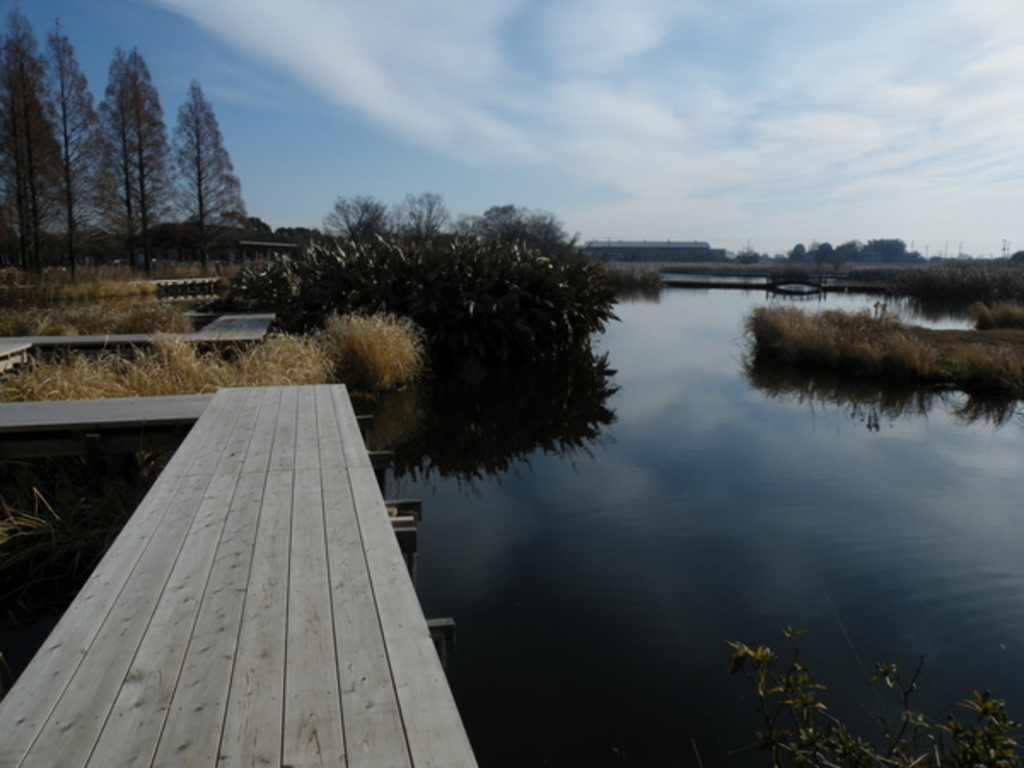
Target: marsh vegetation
x,y
878,346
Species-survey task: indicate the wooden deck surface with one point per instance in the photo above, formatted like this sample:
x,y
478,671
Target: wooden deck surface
x,y
72,427
255,610
12,352
225,329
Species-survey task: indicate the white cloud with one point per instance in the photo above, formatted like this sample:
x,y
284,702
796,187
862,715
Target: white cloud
x,y
831,103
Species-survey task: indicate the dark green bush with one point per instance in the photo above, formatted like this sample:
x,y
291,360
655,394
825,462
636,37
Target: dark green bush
x,y
494,302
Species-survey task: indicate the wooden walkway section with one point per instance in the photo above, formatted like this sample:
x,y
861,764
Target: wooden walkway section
x,y
107,425
13,352
255,610
226,329
186,287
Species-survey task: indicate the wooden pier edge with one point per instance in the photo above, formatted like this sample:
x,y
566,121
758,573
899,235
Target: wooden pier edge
x,y
256,609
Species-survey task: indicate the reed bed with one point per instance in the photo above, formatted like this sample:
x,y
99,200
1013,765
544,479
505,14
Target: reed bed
x,y
1005,314
56,520
94,318
632,276
367,353
880,347
170,367
967,282
373,352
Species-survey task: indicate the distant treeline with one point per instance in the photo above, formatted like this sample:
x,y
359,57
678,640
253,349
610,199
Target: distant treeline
x,y
881,251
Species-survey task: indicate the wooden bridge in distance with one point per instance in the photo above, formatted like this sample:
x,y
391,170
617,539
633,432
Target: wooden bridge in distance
x,y
255,610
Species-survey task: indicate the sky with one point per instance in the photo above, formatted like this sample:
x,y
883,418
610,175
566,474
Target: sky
x,y
737,122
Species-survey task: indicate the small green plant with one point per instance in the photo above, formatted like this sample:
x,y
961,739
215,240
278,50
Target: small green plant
x,y
800,730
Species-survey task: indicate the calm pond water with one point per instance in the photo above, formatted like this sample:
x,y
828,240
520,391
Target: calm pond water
x,y
600,541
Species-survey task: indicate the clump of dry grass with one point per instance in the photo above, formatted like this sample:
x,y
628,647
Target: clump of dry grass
x,y
882,348
374,352
171,367
1005,314
95,318
366,353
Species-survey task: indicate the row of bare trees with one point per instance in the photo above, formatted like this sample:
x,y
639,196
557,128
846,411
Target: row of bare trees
x,y
425,217
72,171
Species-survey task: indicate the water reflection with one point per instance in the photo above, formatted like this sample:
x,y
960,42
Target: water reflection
x,y
869,403
467,429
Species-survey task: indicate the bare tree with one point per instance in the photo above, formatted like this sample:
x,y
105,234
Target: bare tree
x,y
510,223
83,145
357,218
134,123
421,217
208,186
28,148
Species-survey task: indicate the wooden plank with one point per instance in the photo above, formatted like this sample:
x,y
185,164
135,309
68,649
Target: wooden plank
x,y
239,327
282,453
26,708
100,413
253,722
89,692
374,733
433,726
313,734
13,353
197,710
143,671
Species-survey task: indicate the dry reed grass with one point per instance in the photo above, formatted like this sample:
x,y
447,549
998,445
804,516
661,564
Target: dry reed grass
x,y
96,318
376,352
57,518
367,354
632,275
1005,314
171,367
882,348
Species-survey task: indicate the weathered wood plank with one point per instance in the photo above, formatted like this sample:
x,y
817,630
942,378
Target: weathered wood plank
x,y
253,722
13,353
114,412
152,667
313,734
374,732
172,561
26,708
434,732
197,710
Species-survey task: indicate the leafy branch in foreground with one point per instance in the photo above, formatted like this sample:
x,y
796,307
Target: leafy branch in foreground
x,y
799,729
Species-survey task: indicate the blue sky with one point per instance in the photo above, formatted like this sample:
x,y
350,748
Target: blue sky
x,y
768,121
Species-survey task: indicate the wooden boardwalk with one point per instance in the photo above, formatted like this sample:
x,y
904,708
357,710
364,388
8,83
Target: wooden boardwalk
x,y
226,329
112,425
13,352
256,610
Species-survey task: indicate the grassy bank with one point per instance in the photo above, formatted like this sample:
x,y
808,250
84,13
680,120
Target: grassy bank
x,y
881,348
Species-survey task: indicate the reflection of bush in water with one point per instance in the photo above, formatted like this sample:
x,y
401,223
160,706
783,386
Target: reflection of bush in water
x,y
869,403
470,429
396,417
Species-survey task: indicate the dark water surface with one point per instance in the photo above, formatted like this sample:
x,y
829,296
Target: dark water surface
x,y
596,580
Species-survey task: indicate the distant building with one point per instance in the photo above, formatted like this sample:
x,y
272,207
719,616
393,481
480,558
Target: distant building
x,y
642,250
